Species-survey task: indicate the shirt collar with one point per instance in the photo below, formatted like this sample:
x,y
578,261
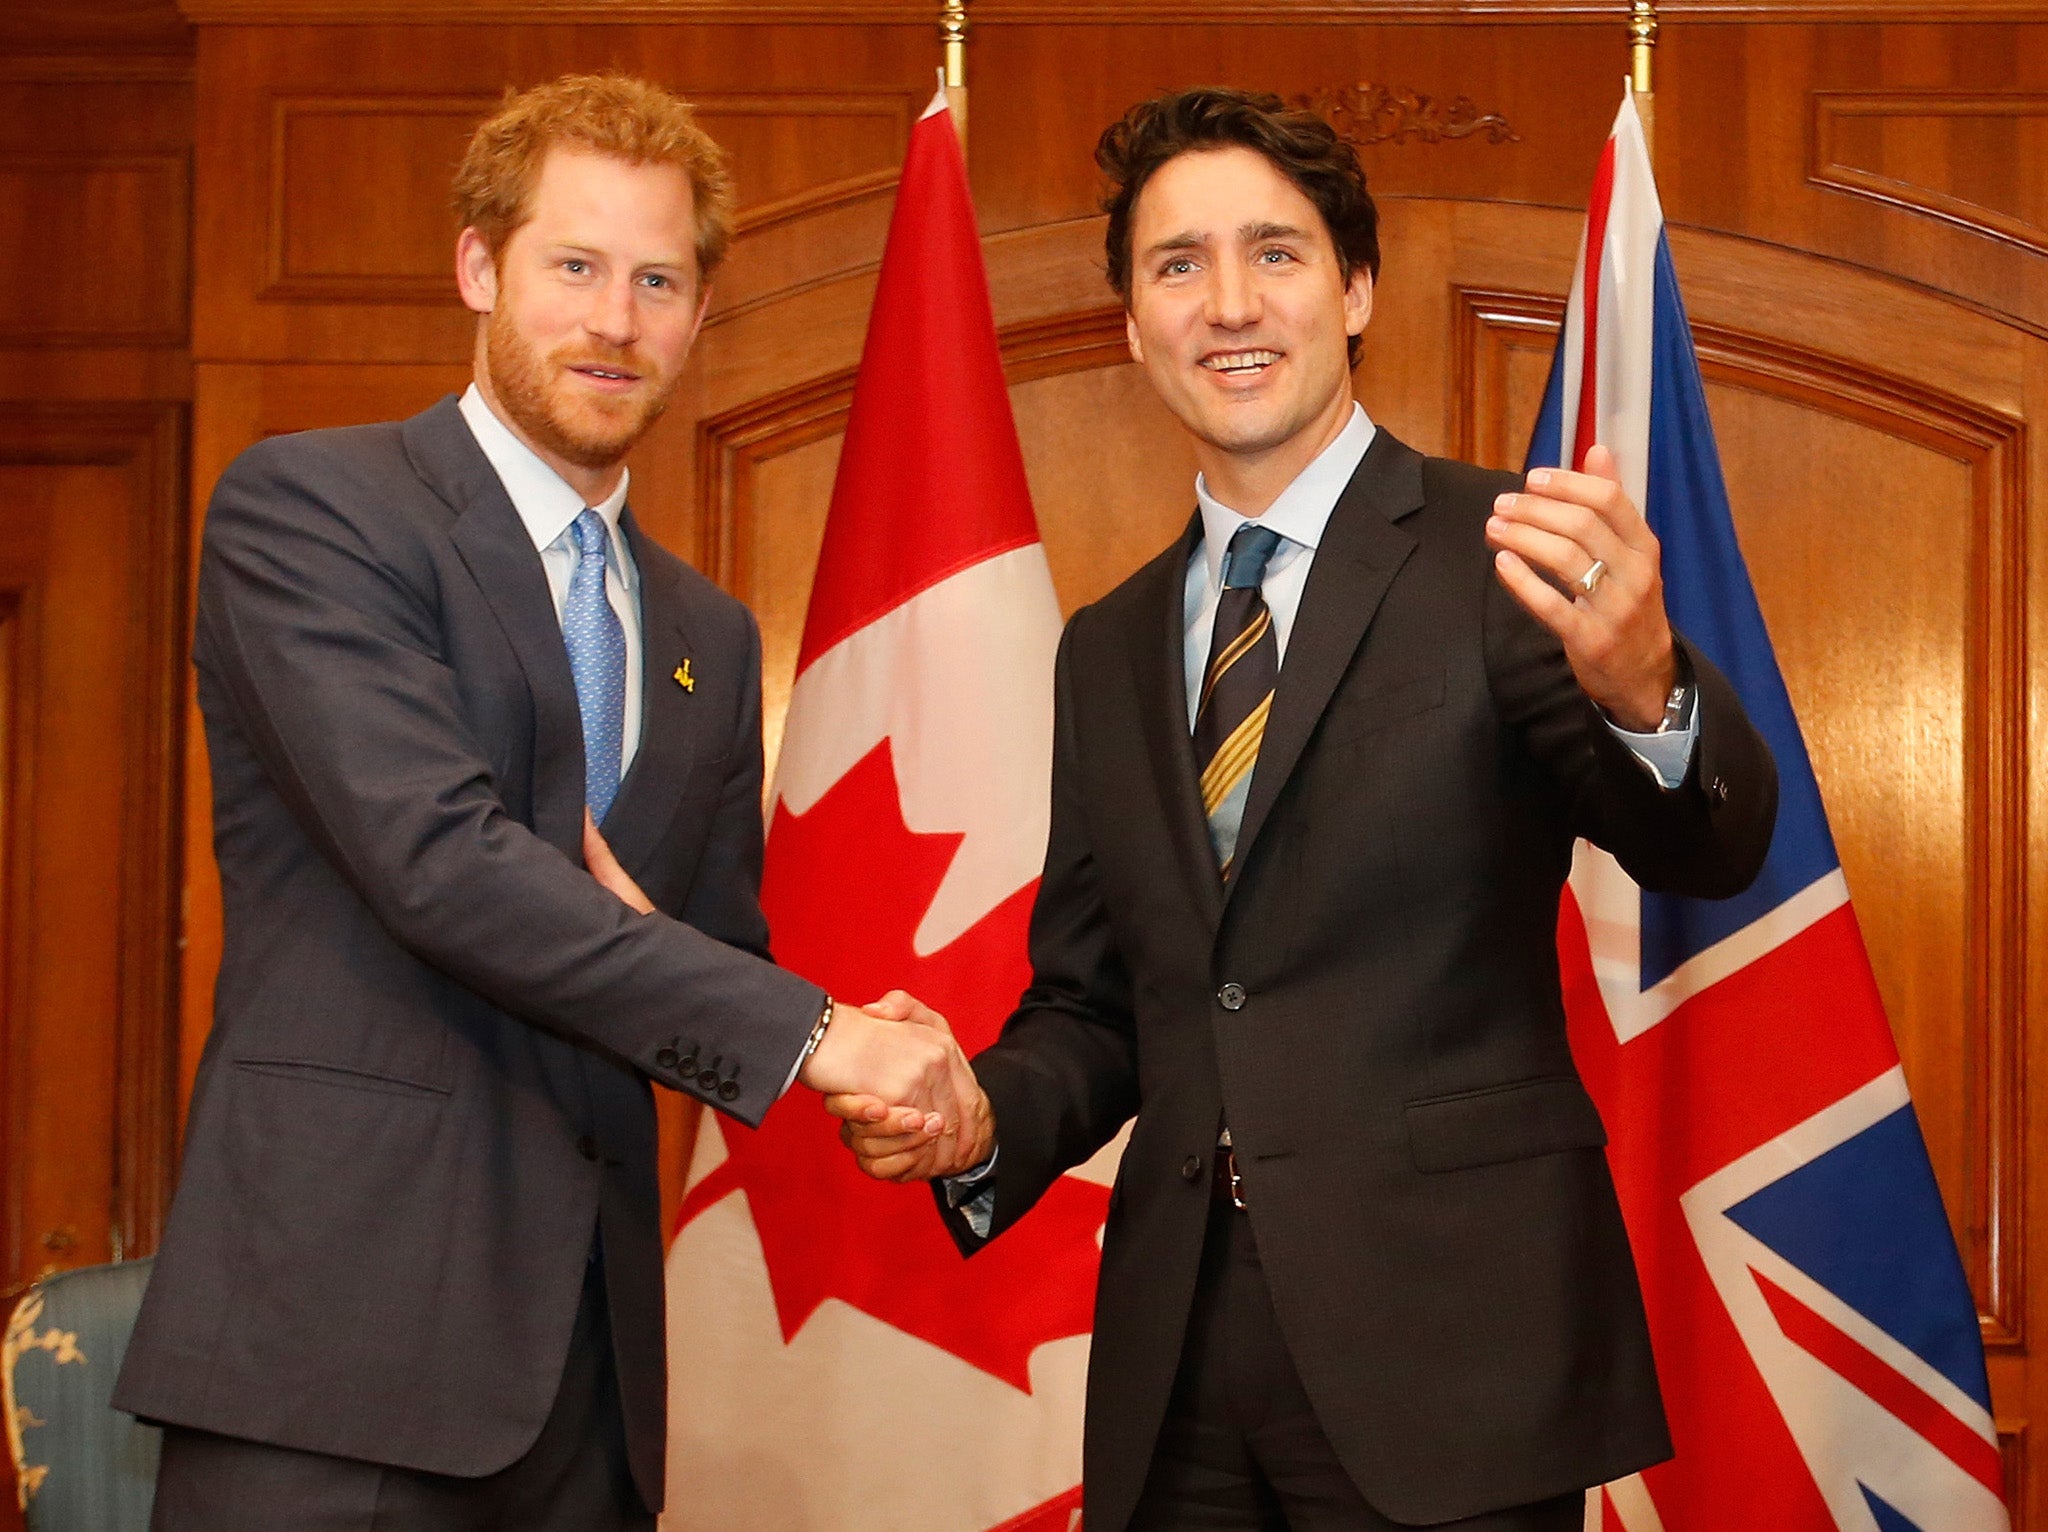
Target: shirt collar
x,y
545,502
1304,507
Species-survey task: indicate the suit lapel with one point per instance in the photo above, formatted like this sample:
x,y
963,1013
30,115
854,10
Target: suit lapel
x,y
1360,553
668,730
494,544
1158,653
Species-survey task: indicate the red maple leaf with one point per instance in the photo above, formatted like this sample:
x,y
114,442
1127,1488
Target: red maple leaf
x,y
1062,1513
845,886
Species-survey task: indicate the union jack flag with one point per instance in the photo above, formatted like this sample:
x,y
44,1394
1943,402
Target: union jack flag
x,y
1816,1338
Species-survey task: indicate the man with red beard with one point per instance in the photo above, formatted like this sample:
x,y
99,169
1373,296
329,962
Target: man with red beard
x,y
412,1277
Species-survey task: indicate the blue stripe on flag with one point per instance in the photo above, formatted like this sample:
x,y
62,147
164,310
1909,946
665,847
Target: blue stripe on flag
x,y
1711,601
1546,442
1864,1220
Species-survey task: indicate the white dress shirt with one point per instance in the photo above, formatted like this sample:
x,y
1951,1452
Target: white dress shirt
x,y
548,508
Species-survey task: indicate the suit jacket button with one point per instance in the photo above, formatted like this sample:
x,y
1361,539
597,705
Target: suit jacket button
x,y
708,1080
1231,997
667,1058
730,1091
1191,1169
587,1147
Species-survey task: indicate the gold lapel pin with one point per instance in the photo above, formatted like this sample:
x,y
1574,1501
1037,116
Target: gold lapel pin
x,y
683,677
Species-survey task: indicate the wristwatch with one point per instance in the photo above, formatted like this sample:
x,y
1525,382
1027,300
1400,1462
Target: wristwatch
x,y
817,1035
1678,705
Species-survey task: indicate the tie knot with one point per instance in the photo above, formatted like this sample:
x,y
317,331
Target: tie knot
x,y
1244,561
590,534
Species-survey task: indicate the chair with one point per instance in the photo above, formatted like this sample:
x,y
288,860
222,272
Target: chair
x,y
82,1465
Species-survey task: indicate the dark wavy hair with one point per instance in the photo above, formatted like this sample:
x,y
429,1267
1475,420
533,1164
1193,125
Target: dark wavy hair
x,y
1298,144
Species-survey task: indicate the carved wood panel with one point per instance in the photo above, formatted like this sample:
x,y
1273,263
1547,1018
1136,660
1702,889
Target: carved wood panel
x,y
89,589
107,263
359,184
805,151
1971,158
323,188
1945,109
359,209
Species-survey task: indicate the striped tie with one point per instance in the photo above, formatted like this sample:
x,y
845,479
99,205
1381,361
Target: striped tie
x,y
1237,688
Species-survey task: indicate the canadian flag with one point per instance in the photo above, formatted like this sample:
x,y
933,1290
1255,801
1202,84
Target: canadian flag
x,y
834,1362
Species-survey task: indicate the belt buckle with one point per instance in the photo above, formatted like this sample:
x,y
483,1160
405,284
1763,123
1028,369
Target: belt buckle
x,y
1236,1181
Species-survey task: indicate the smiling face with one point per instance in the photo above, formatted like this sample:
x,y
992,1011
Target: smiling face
x,y
1241,315
590,310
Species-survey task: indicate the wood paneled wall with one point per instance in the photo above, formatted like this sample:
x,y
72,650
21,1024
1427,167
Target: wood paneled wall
x,y
96,133
1862,217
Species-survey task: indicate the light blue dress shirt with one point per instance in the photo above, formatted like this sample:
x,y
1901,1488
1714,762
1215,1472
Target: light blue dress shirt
x,y
1300,515
548,508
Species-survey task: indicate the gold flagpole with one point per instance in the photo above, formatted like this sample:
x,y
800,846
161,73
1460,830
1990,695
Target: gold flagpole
x,y
953,28
1642,38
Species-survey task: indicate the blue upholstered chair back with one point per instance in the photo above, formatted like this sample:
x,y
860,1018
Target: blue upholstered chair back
x,y
83,1466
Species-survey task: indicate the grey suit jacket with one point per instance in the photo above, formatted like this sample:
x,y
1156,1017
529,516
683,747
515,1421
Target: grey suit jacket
x,y
427,1087
1372,1004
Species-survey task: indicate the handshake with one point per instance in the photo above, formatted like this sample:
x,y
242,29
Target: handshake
x,y
908,1104
907,1101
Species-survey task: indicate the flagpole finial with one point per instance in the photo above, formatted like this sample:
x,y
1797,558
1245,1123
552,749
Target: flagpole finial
x,y
953,31
1642,38
1642,46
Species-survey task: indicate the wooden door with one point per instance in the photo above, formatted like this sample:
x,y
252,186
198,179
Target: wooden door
x,y
90,590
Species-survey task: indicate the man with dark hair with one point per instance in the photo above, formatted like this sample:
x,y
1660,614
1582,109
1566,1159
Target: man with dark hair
x,y
1302,147
1318,771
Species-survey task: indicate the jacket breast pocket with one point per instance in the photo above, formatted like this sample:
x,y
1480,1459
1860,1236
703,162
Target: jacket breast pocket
x,y
1499,1123
1375,707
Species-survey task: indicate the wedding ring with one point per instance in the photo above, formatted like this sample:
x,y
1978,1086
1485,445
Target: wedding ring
x,y
1589,582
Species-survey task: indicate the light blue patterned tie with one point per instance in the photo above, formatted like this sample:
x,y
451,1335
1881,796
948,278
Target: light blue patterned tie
x,y
597,659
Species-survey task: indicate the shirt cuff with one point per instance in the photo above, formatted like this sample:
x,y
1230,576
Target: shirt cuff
x,y
972,1194
1667,756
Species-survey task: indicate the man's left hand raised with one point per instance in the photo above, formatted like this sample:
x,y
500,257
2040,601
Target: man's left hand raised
x,y
1615,634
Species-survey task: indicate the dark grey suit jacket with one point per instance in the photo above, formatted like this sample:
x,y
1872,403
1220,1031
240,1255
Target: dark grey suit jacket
x,y
427,1086
1373,1005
